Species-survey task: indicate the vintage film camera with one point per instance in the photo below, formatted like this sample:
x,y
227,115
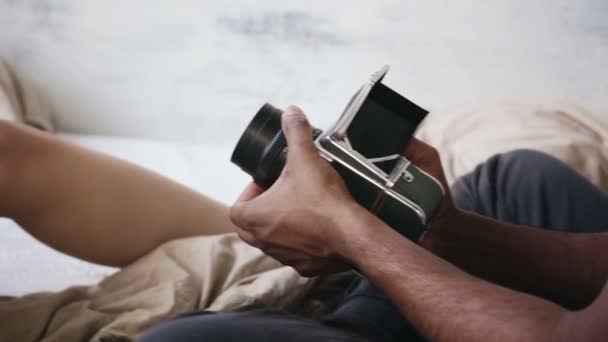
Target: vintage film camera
x,y
365,146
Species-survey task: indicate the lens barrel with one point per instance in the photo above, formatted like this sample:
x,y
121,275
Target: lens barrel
x,y
261,151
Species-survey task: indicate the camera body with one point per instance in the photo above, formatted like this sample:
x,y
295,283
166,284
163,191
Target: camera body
x,y
365,146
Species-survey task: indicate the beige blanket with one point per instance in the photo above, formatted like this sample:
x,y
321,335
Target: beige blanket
x,y
19,100
217,273
466,135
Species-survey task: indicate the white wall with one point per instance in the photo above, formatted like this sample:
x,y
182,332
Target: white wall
x,y
197,70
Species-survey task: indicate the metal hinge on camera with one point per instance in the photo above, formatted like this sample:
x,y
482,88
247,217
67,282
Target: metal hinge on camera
x,y
400,169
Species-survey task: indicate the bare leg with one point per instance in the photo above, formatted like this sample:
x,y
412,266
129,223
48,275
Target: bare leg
x,y
93,206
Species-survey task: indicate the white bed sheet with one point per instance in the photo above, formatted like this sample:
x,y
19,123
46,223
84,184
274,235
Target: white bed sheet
x,y
27,265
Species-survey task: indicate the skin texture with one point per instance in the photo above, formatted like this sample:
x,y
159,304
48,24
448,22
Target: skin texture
x,y
93,206
470,278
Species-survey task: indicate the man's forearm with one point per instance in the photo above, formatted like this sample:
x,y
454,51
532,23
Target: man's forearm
x,y
443,302
569,269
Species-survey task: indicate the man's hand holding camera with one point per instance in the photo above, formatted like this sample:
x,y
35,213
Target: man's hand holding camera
x,y
308,219
297,219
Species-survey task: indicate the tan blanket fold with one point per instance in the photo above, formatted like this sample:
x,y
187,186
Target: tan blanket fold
x,y
217,273
20,101
468,135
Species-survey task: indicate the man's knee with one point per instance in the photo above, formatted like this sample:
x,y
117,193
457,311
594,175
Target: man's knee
x,y
524,162
522,171
495,184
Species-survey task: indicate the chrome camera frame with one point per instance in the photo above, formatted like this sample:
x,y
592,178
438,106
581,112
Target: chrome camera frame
x,y
421,193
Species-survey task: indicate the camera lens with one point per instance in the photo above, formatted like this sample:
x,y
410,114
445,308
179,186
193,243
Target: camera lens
x,y
261,151
258,152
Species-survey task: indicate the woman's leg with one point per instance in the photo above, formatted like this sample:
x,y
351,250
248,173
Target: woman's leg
x,y
93,206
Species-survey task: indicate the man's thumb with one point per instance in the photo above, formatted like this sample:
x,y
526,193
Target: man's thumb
x,y
298,131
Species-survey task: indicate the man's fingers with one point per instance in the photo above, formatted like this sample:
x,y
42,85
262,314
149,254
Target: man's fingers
x,y
298,132
249,239
246,236
285,254
239,215
250,192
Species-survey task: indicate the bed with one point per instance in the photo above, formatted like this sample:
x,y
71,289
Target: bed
x,y
465,136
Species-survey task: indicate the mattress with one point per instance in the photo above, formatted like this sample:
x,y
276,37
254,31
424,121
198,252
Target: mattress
x,y
27,265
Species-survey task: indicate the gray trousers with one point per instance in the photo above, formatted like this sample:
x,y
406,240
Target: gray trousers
x,y
523,187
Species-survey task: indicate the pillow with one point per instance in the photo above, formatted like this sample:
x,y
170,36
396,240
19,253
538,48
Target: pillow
x,y
468,135
19,100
